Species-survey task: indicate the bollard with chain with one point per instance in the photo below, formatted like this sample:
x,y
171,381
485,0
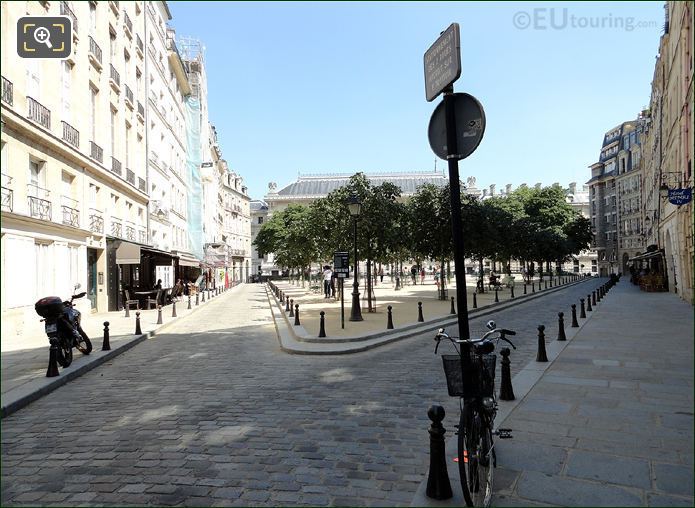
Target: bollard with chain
x,y
159,315
561,326
138,330
106,344
173,309
453,309
541,356
497,298
438,485
588,303
322,326
292,307
475,302
52,370
575,324
389,321
296,314
419,312
582,311
506,390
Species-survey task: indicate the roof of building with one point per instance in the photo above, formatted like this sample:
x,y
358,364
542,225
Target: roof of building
x,y
322,185
258,204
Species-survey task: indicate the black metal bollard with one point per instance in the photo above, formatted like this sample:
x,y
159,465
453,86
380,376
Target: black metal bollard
x,y
203,298
524,288
575,324
582,311
282,299
106,345
551,282
533,287
453,309
389,321
197,296
173,309
419,312
475,302
497,298
189,302
512,295
287,304
52,370
138,330
506,390
561,326
588,303
598,294
159,315
593,297
127,310
322,327
541,356
292,307
296,314
438,485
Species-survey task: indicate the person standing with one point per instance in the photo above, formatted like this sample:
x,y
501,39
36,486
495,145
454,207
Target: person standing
x,y
413,273
422,275
327,276
381,274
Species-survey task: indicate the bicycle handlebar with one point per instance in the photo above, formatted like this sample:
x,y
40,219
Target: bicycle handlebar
x,y
441,334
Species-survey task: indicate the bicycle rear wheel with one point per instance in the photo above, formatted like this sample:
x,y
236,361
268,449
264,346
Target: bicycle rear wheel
x,y
475,457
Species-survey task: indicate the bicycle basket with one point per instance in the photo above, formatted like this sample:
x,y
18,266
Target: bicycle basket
x,y
485,383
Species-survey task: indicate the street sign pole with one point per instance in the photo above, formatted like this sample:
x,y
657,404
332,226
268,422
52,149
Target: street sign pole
x,y
342,304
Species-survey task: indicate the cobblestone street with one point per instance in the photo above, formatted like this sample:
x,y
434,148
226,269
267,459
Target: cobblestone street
x,y
222,417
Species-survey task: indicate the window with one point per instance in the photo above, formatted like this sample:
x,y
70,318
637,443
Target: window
x,y
93,16
73,268
127,146
93,196
112,44
93,111
37,176
44,267
66,78
67,179
113,134
260,220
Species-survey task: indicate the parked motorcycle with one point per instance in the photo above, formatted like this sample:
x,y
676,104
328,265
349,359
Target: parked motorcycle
x,y
63,326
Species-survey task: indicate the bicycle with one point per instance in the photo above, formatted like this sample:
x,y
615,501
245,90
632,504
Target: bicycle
x,y
478,406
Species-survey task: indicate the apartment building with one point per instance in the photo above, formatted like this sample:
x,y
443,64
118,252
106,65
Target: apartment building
x,y
73,142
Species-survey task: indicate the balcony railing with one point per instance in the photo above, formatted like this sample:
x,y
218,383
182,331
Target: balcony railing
x,y
7,91
142,185
114,6
129,176
116,166
39,204
39,113
71,135
116,227
7,193
141,110
115,76
71,214
66,11
96,152
96,221
138,42
129,96
95,50
129,231
128,24
142,236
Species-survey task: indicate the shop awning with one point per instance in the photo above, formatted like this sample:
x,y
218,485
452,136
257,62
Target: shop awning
x,y
188,261
648,255
128,254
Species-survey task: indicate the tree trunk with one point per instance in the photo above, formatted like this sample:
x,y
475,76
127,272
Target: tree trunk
x,y
369,285
481,278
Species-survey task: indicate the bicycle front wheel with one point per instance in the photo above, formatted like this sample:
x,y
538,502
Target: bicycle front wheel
x,y
475,458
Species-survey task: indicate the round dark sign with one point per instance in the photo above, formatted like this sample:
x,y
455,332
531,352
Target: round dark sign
x,y
470,127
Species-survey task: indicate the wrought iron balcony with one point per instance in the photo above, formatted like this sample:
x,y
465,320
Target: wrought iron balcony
x,y
128,24
129,176
142,185
71,214
129,100
141,110
116,166
116,227
66,11
115,76
7,91
130,231
7,193
95,51
39,113
96,221
140,45
142,236
39,203
71,135
96,152
114,6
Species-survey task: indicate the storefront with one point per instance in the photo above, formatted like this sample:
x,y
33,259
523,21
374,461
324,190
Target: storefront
x,y
649,270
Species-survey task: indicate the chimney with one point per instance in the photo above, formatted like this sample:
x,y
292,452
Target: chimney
x,y
537,186
573,187
492,189
484,192
508,188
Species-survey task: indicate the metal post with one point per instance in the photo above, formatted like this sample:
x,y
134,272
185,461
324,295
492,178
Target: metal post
x,y
296,314
561,326
197,298
582,311
322,325
52,370
355,310
419,313
575,324
588,303
524,287
342,303
189,302
475,301
453,309
497,298
506,390
159,315
389,321
512,295
533,287
288,308
593,297
106,345
291,307
438,485
541,356
138,330
203,298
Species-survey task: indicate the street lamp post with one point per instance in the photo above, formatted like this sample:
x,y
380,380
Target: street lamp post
x,y
355,208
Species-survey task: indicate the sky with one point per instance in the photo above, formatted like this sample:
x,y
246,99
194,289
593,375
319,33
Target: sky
x,y
338,87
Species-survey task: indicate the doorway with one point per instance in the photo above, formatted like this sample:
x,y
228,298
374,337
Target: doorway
x,y
92,277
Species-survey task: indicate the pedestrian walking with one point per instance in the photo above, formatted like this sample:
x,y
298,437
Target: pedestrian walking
x,y
327,276
413,273
422,275
381,274
333,277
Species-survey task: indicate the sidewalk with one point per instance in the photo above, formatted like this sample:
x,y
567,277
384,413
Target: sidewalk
x,y
609,421
24,361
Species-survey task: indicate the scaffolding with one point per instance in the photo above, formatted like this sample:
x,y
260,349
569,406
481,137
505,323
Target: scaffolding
x,y
192,54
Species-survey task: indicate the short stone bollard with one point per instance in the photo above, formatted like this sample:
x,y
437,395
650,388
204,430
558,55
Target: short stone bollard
x,y
582,311
197,296
292,307
453,309
106,344
138,330
322,325
475,302
593,297
159,315
541,356
438,485
189,302
173,309
561,326
575,324
296,314
588,303
419,313
524,288
389,319
52,370
512,294
288,308
497,298
506,390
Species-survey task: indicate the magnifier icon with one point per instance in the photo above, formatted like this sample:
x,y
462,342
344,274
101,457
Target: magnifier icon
x,y
43,36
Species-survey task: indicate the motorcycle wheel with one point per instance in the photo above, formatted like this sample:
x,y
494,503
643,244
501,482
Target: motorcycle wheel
x,y
84,346
64,354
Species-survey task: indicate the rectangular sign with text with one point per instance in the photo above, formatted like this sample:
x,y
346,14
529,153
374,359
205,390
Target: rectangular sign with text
x,y
341,262
443,62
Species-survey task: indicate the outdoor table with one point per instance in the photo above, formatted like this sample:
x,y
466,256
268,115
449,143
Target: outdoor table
x,y
143,295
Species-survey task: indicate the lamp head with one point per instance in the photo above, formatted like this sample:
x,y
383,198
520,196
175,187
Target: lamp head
x,y
354,205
